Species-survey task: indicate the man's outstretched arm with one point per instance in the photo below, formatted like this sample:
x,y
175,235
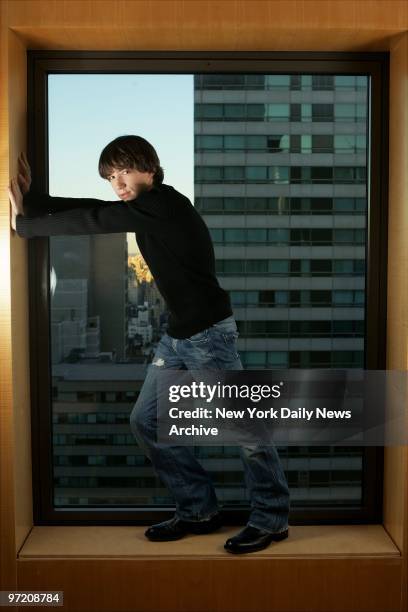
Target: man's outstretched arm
x,y
78,216
37,203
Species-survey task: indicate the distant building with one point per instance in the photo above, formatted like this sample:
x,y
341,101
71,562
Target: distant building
x,y
280,179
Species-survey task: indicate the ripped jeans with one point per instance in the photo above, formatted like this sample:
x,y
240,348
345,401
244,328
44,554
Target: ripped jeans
x,y
177,467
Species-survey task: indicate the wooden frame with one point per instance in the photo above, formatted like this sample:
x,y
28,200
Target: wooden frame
x,y
43,63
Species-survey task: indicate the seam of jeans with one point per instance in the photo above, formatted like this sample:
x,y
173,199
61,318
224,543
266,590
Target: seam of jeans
x,y
227,338
214,352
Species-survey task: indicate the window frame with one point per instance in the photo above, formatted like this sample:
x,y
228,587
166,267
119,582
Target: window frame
x,y
42,63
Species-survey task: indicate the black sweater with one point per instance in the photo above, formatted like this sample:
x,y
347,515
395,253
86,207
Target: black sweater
x,y
172,237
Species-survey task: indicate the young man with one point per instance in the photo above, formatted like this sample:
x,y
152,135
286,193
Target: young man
x,y
202,332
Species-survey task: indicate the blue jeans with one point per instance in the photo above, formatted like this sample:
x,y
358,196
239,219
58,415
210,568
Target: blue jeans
x,y
177,467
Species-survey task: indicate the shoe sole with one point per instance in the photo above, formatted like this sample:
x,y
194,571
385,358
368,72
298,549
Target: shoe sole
x,y
277,538
189,531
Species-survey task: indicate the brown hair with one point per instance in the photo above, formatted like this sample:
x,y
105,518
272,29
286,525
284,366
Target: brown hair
x,y
130,152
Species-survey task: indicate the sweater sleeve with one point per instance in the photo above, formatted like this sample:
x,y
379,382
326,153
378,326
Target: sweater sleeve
x,y
74,216
36,203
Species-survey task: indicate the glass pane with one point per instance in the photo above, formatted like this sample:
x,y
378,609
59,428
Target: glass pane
x,y
271,219
234,142
279,81
256,235
233,173
277,111
208,142
234,235
345,143
256,173
255,142
210,111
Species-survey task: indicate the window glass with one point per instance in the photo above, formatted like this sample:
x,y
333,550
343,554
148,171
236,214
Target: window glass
x,y
238,298
349,112
216,234
322,112
281,298
234,142
234,235
289,237
256,235
234,204
256,173
344,204
279,235
306,112
233,173
209,173
345,143
210,111
278,81
255,112
345,81
343,297
322,143
278,266
276,143
322,81
277,111
344,235
255,142
278,174
209,142
234,111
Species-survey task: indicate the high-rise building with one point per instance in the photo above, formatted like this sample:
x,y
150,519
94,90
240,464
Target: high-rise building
x,y
280,179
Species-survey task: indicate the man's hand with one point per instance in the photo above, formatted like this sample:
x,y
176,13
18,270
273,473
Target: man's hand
x,y
18,187
24,173
16,200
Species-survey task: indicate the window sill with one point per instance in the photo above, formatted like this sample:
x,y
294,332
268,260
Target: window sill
x,y
320,541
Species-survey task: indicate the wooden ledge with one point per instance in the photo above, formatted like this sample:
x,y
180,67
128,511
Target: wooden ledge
x,y
129,542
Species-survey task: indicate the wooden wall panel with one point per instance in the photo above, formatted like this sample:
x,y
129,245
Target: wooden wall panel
x,y
17,92
232,585
7,449
209,24
206,15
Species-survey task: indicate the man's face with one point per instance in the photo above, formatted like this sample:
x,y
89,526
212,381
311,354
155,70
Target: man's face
x,y
128,183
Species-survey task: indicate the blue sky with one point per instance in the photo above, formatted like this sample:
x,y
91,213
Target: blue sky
x,y
87,111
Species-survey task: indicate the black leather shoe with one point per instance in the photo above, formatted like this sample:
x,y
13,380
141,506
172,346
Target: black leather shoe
x,y
175,528
251,539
